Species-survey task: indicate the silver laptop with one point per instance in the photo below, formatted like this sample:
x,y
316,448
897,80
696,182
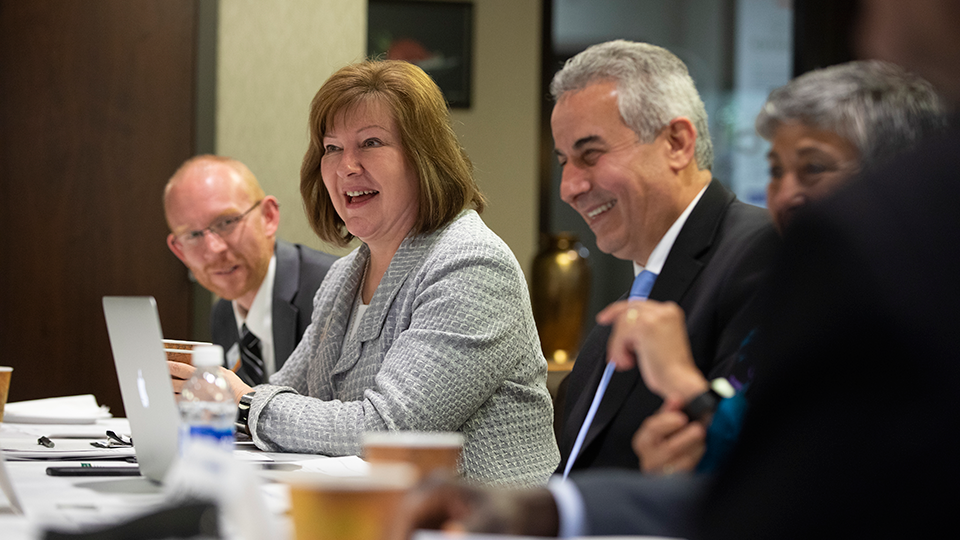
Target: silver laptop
x,y
137,342
6,487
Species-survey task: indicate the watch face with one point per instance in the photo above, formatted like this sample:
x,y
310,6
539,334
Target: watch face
x,y
243,413
247,399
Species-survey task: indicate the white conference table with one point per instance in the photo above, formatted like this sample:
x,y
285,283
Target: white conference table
x,y
67,502
70,502
81,503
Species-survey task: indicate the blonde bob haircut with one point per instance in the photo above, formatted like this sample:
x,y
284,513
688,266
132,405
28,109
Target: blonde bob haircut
x,y
444,171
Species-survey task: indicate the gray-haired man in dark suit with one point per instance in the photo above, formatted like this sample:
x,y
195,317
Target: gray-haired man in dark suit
x,y
630,132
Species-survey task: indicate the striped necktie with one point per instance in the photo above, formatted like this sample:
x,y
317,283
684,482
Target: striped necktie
x,y
639,291
250,357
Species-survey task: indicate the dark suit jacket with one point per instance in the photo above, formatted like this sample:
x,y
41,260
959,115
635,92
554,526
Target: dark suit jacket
x,y
622,503
713,272
300,270
854,425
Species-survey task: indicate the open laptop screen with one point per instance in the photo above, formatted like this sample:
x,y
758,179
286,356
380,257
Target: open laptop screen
x,y
136,339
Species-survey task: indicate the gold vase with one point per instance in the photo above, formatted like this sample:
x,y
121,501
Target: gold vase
x,y
560,292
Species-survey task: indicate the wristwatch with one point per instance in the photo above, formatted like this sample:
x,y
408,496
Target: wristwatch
x,y
243,413
706,403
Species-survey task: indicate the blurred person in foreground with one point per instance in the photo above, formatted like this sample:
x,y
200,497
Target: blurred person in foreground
x,y
223,228
427,325
825,126
851,430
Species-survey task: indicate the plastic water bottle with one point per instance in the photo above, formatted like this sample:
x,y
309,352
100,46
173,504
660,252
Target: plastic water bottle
x,y
207,408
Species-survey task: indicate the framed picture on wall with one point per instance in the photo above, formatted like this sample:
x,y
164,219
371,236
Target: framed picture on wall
x,y
437,36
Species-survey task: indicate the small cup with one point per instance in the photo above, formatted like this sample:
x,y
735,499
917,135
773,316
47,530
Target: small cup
x,y
180,351
328,507
431,452
5,373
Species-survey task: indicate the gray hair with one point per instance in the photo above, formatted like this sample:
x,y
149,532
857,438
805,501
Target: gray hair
x,y
653,88
880,108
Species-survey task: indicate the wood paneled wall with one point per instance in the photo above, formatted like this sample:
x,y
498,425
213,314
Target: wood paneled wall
x,y
96,111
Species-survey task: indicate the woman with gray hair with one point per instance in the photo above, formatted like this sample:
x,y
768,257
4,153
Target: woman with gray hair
x,y
828,124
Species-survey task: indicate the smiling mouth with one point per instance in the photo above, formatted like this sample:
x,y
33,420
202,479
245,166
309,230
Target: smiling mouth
x,y
360,196
227,270
601,209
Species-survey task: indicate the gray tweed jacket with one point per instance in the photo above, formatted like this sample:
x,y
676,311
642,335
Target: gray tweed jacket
x,y
447,344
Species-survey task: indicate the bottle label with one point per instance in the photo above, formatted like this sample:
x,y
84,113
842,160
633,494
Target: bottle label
x,y
209,435
211,432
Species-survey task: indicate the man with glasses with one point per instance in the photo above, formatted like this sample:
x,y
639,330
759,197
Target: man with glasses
x,y
223,227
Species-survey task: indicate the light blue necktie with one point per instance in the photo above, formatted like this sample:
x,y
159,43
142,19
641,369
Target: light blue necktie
x,y
639,291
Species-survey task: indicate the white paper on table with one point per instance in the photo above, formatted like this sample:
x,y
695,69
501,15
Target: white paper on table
x,y
332,466
82,409
336,466
66,449
17,526
96,431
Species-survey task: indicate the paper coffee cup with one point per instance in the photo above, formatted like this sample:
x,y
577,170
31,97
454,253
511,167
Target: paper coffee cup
x,y
327,507
178,350
431,452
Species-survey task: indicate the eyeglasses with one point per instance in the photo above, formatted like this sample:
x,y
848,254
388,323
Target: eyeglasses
x,y
223,228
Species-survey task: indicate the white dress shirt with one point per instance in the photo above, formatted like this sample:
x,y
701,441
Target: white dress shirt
x,y
659,254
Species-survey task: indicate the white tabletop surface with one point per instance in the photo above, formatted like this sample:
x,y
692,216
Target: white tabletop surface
x,y
71,503
68,502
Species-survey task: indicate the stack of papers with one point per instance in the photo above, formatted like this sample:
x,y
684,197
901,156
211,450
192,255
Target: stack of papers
x,y
81,409
69,424
19,449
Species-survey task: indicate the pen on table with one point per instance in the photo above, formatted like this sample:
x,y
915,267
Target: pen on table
x,y
44,441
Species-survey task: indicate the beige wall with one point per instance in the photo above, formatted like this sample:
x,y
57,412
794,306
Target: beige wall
x,y
501,130
274,55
